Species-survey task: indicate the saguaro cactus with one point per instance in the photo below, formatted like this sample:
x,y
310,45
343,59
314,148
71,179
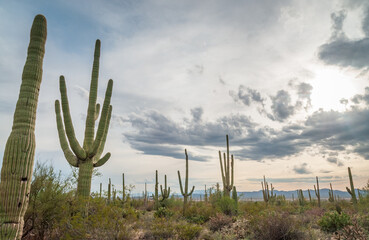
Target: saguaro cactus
x,y
185,193
227,171
316,190
156,196
301,197
88,156
164,193
331,194
17,168
124,198
352,190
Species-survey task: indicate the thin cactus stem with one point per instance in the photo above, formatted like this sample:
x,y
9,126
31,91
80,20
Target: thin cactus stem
x,y
317,191
309,196
351,190
331,194
227,170
18,159
185,193
86,158
109,191
156,196
100,190
124,189
206,195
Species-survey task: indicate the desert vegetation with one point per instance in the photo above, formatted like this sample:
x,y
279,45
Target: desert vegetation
x,y
48,206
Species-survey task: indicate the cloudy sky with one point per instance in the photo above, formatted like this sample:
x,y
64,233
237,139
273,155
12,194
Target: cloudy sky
x,y
287,80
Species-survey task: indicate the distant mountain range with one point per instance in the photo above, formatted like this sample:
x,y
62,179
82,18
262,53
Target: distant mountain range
x,y
258,195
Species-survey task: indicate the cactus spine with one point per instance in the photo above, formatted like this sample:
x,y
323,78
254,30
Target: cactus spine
x,y
352,190
227,170
317,191
164,193
88,156
18,159
185,193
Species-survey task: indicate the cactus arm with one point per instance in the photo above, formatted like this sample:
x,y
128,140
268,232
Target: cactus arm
x,y
161,190
71,158
76,147
180,182
221,168
91,110
104,119
97,111
193,188
103,140
103,160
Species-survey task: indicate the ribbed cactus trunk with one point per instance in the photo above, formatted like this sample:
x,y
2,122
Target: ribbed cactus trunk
x,y
84,178
87,157
16,171
351,190
317,191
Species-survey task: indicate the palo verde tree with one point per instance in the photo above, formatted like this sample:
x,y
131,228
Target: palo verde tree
x,y
86,158
16,171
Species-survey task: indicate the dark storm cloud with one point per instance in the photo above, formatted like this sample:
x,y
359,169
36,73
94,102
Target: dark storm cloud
x,y
342,51
302,169
246,95
359,98
330,131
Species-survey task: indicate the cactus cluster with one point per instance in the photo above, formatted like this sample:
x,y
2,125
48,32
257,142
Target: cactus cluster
x,y
17,167
268,195
227,170
184,191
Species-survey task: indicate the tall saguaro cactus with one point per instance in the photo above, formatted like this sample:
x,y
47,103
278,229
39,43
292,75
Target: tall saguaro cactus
x,y
17,168
88,156
227,171
156,195
185,193
316,190
351,190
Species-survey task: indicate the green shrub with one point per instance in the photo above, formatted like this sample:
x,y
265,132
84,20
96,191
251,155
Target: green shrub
x,y
333,221
163,212
200,212
188,231
227,205
161,228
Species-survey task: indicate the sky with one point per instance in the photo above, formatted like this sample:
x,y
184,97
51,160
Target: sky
x,y
287,80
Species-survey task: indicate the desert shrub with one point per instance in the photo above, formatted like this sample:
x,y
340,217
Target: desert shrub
x,y
352,232
161,228
219,221
239,229
200,212
276,226
227,205
187,231
163,212
333,221
49,192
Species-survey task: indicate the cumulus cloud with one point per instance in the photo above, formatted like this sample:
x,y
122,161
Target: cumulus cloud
x,y
344,52
246,95
361,98
302,169
346,132
335,160
282,107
